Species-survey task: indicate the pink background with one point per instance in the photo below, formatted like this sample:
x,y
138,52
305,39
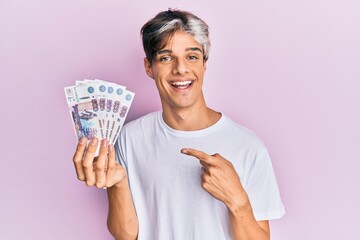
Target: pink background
x,y
289,70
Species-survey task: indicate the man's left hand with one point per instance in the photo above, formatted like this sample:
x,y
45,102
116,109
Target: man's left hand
x,y
219,178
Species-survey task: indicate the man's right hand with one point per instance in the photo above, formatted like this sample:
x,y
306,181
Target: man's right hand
x,y
102,171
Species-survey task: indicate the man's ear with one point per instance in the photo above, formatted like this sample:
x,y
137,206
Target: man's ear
x,y
148,69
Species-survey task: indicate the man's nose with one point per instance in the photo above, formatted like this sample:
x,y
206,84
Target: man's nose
x,y
180,67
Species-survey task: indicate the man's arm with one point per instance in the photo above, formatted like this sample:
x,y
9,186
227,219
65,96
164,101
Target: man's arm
x,y
244,226
122,220
105,172
219,179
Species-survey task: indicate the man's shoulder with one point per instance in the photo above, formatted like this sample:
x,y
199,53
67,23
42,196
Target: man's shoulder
x,y
238,128
241,133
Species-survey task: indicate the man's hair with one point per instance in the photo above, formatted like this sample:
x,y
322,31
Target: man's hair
x,y
157,31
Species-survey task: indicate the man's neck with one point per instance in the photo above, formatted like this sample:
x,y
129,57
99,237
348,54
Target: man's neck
x,y
190,119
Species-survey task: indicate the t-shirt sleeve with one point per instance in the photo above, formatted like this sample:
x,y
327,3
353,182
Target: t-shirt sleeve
x,y
262,188
120,150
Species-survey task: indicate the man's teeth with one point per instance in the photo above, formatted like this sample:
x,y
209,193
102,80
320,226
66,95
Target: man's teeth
x,y
181,84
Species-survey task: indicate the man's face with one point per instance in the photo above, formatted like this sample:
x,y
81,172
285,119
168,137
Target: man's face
x,y
178,70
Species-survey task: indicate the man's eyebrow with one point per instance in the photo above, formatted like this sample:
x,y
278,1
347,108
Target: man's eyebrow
x,y
167,51
163,51
193,49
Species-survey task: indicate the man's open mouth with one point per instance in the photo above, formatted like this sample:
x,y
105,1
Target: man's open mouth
x,y
181,84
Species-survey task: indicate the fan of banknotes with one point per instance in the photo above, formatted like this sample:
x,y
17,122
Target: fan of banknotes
x,y
98,108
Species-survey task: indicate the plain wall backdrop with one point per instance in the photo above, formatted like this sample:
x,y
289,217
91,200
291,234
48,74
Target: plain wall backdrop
x,y
288,70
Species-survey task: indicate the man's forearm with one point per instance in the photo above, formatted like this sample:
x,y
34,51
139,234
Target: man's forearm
x,y
244,225
122,220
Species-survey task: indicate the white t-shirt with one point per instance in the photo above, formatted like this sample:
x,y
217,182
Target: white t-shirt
x,y
166,185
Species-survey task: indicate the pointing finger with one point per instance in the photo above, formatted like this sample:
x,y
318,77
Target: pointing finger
x,y
206,158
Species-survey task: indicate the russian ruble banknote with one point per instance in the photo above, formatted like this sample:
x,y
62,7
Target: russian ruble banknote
x,y
98,108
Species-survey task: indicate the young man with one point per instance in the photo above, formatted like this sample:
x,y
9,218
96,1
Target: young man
x,y
186,172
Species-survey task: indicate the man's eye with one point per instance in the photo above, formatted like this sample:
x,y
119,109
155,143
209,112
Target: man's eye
x,y
165,59
193,57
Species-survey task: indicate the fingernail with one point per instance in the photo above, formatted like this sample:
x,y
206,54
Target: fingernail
x,y
111,148
82,140
184,151
104,143
94,141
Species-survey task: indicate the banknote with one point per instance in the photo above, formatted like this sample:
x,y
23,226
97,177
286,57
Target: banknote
x,y
109,104
98,108
120,111
99,97
83,110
